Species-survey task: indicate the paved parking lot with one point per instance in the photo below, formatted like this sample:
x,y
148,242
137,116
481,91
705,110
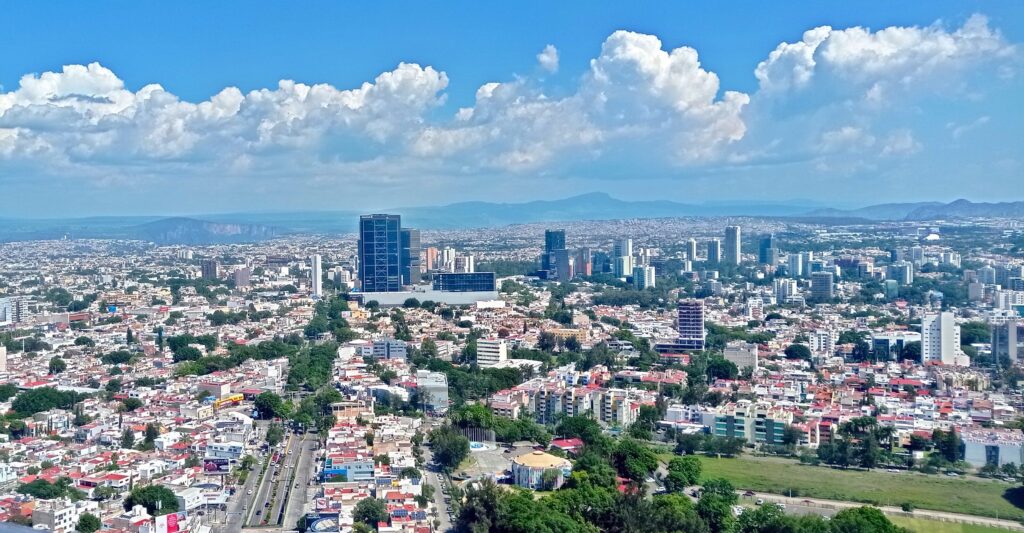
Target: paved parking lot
x,y
493,462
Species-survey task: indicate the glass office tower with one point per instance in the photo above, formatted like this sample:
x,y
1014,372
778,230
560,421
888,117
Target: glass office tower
x,y
380,253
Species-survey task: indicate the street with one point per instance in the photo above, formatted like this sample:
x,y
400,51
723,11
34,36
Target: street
x,y
267,504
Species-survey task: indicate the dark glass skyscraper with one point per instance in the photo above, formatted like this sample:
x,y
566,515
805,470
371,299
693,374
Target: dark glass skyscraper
x,y
380,253
554,240
764,250
410,256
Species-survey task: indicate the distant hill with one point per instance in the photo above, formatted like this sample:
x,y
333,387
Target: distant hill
x,y
191,231
176,230
929,211
592,206
967,209
252,227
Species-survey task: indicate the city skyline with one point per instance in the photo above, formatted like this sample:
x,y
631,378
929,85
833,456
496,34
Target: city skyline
x,y
845,106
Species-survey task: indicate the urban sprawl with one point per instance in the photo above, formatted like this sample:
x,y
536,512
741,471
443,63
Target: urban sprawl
x,y
678,374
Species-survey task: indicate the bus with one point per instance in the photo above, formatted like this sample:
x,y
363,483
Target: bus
x,y
231,399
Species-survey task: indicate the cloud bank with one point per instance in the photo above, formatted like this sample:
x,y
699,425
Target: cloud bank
x,y
834,96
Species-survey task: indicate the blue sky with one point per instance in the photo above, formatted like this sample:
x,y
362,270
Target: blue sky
x,y
517,101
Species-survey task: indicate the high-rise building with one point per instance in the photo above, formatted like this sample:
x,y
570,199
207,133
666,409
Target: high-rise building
x,y
940,338
987,275
464,264
13,309
785,288
211,269
622,248
410,256
490,352
714,251
316,277
1006,340
902,272
622,266
554,240
690,324
380,253
917,255
447,259
822,286
691,249
795,266
766,249
950,258
430,256
3,358
561,264
241,277
643,277
732,252
584,264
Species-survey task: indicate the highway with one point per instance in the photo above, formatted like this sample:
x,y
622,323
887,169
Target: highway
x,y
302,492
266,504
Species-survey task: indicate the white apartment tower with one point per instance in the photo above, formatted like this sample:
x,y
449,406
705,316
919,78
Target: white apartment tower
x,y
490,352
318,277
691,249
940,338
643,277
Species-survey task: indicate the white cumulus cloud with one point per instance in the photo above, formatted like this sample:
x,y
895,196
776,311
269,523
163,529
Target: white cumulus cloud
x,y
548,58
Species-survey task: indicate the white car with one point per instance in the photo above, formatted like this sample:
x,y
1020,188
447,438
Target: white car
x,y
250,492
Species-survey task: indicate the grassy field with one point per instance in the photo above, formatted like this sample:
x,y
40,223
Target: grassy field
x,y
955,495
934,526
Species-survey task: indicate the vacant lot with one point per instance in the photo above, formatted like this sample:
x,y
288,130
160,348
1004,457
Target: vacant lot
x,y
934,526
955,495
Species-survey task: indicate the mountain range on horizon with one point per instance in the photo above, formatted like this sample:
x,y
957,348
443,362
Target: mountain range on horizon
x,y
250,227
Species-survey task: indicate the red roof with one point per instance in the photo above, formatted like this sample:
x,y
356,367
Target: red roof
x,y
567,444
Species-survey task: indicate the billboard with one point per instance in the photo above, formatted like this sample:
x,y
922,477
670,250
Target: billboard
x,y
216,466
170,523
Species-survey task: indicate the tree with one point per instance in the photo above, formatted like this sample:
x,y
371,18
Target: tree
x,y
682,472
947,444
912,351
88,523
248,462
862,520
798,351
157,500
269,405
152,432
85,341
449,446
370,511
634,460
411,303
57,365
129,337
127,439
130,404
768,518
187,353
715,505
720,368
275,434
